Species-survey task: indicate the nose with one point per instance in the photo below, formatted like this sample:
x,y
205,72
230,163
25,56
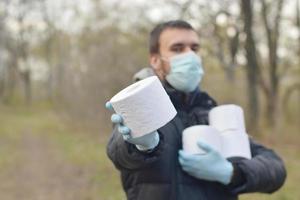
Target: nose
x,y
187,49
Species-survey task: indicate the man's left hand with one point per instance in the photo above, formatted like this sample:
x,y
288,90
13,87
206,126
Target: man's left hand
x,y
210,166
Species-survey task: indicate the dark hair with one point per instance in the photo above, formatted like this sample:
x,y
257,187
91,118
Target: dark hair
x,y
156,32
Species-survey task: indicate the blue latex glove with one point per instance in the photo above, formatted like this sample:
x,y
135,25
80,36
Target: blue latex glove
x,y
210,166
143,143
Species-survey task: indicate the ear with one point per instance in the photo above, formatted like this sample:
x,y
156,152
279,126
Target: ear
x,y
155,61
157,65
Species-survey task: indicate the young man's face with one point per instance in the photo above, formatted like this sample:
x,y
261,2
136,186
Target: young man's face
x,y
173,41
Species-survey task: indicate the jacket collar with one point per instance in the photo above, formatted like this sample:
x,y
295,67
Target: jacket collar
x,y
181,100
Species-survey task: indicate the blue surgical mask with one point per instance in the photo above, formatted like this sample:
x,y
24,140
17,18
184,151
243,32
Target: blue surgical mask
x,y
186,72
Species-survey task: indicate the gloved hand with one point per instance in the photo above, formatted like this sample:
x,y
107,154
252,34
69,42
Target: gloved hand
x,y
143,143
210,166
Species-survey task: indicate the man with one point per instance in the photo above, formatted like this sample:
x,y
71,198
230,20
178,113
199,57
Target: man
x,y
155,167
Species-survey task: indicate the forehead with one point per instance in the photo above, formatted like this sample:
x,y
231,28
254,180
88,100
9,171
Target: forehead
x,y
172,36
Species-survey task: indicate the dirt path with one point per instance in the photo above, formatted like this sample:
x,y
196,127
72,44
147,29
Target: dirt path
x,y
41,174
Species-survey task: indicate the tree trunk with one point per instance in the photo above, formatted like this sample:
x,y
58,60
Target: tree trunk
x,y
272,33
2,82
27,86
298,25
252,65
11,80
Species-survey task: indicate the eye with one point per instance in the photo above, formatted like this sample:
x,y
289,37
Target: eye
x,y
177,49
195,48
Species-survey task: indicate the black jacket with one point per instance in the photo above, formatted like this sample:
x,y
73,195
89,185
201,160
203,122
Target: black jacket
x,y
158,175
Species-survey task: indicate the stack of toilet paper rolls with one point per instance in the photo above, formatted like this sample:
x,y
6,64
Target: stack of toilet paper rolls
x,y
226,133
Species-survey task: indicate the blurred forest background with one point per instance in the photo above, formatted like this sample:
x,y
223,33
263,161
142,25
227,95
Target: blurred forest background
x,y
60,61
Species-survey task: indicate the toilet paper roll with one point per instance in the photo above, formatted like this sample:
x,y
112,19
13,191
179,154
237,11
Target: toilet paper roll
x,y
144,106
227,117
207,134
235,144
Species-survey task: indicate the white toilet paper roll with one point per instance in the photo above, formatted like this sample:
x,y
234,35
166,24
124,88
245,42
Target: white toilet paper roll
x,y
144,106
205,133
227,117
235,144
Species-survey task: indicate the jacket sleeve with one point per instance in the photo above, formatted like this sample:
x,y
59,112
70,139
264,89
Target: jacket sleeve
x,y
126,156
265,172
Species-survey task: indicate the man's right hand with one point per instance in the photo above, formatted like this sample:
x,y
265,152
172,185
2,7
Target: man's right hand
x,y
143,143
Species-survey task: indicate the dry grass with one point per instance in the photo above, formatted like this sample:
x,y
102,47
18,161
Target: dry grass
x,y
43,156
